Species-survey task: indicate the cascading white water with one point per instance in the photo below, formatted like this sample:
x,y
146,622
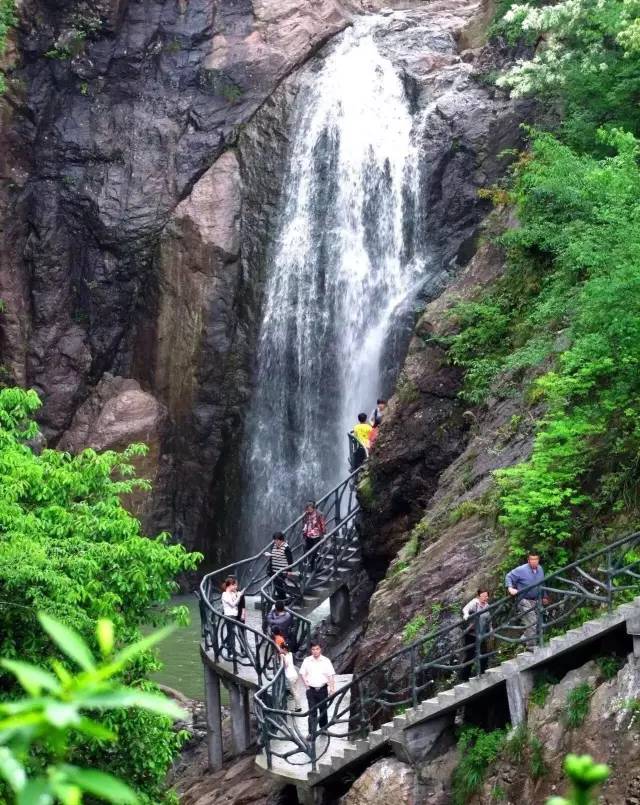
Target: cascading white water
x,y
340,281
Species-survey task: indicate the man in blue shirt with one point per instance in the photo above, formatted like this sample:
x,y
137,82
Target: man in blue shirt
x,y
518,579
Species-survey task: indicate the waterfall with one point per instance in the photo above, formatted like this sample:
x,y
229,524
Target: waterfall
x,y
341,278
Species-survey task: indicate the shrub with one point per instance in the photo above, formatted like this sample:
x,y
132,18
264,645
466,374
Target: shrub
x,y
578,700
478,751
38,733
71,549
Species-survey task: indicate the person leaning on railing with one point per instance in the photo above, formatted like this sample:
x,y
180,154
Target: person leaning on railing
x,y
477,612
522,578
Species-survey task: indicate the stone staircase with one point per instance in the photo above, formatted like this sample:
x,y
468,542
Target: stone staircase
x,y
447,702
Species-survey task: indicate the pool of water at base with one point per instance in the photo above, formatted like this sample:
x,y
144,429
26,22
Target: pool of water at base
x,y
180,654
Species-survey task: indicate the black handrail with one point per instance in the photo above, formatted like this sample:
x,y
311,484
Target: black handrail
x,y
228,638
432,662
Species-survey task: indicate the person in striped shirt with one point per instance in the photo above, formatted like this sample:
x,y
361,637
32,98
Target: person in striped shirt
x,y
279,558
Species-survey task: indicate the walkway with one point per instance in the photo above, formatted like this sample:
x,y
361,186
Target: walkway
x,y
409,698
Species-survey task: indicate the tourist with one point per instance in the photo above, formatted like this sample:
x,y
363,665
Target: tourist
x,y
292,677
231,598
280,557
281,620
373,435
277,637
477,612
313,529
378,413
362,430
232,607
319,679
522,578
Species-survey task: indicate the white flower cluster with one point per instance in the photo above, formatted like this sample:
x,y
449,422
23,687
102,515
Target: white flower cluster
x,y
574,36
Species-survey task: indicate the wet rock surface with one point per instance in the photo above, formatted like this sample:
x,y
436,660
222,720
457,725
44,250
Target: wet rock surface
x,y
434,460
121,206
386,780
147,149
609,734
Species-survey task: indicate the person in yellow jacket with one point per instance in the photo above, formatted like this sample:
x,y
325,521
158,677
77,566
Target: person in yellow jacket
x,y
362,431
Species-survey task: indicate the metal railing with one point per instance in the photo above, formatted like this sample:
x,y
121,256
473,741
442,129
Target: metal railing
x,y
452,653
231,640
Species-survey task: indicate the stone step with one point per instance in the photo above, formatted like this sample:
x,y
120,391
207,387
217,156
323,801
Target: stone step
x,y
375,738
388,729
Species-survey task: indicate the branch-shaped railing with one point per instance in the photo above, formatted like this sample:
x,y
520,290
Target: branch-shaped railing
x,y
232,641
451,653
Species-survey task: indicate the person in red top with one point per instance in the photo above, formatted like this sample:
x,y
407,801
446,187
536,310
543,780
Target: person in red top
x,y
373,435
313,529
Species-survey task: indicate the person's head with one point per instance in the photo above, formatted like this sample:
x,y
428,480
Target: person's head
x,y
279,606
279,539
382,404
310,506
230,583
533,559
483,595
276,631
362,418
316,649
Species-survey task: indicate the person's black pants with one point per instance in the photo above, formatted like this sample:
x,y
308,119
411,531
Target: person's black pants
x,y
317,708
309,543
280,591
470,655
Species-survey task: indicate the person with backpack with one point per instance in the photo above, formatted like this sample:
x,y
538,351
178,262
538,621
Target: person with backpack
x,y
292,677
281,620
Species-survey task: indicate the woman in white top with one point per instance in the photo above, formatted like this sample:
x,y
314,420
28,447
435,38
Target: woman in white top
x,y
478,613
292,677
232,599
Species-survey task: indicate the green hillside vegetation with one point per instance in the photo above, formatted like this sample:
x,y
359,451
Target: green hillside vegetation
x,y
567,311
71,550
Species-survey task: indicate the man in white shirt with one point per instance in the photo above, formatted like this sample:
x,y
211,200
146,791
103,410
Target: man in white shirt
x,y
319,679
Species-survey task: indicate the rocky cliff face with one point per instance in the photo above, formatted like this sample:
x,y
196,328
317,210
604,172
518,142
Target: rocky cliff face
x,y
124,208
144,149
529,767
429,506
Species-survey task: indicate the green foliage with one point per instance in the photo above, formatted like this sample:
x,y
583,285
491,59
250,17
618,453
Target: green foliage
x,y
578,701
414,628
521,747
71,549
541,689
38,733
478,751
609,666
365,491
537,763
7,21
585,775
589,62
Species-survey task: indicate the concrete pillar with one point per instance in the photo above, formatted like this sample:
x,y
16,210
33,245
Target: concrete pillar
x,y
214,717
519,687
240,724
415,744
340,606
633,629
